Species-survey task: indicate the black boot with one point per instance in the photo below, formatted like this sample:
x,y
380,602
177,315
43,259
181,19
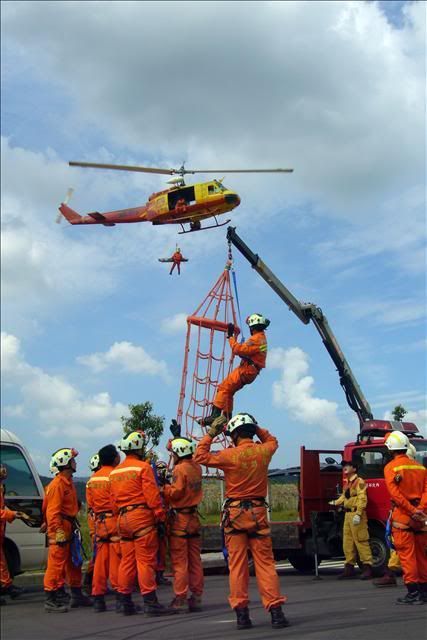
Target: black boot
x,y
278,619
127,604
99,604
366,572
62,596
348,572
412,597
422,590
161,580
152,606
206,422
119,606
87,581
12,591
52,605
243,619
78,599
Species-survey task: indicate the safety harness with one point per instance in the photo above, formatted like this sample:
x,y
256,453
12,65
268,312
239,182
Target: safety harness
x,y
228,522
173,512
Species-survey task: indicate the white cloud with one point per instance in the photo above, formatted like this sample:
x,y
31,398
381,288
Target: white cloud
x,y
175,324
59,406
331,87
295,393
129,357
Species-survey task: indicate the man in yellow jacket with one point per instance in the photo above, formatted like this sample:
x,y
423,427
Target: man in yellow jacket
x,y
355,535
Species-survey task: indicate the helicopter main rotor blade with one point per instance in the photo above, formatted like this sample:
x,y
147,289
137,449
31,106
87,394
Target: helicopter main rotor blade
x,y
123,167
239,171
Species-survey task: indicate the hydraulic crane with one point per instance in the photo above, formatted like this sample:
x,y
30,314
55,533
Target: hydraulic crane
x,y
307,311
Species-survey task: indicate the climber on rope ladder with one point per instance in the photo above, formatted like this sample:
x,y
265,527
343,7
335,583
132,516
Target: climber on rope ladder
x,y
253,354
176,259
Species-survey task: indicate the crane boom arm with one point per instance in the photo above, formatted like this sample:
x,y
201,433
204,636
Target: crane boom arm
x,y
306,312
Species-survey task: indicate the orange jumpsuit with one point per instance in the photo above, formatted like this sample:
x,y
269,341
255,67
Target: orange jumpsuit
x,y
183,497
406,482
61,508
254,354
177,258
244,517
105,536
136,496
6,515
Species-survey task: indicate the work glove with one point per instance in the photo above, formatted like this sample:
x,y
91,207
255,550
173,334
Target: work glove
x,y
419,516
356,520
161,529
175,429
217,426
332,503
22,516
60,537
230,330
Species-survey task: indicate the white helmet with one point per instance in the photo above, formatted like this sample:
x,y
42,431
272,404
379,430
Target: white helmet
x,y
257,318
62,458
240,420
411,452
133,441
183,447
94,462
397,441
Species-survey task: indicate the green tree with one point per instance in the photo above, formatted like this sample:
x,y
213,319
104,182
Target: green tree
x,y
399,413
143,419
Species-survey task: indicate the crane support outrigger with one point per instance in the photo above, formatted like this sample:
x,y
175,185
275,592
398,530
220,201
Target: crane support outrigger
x,y
307,311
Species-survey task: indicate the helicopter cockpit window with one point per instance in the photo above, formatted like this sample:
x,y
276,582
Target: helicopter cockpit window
x,y
214,188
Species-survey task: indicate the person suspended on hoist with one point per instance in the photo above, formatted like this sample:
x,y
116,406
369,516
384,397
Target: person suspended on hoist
x,y
176,259
253,354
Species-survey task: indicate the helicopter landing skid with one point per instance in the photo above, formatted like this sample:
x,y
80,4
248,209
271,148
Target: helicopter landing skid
x,y
200,228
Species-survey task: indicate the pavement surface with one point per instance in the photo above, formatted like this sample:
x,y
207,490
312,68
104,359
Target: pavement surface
x,y
324,609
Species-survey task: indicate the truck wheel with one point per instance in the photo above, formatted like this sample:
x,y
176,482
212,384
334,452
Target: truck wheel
x,y
380,551
302,562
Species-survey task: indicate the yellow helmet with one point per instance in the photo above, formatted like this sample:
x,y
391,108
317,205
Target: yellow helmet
x,y
94,462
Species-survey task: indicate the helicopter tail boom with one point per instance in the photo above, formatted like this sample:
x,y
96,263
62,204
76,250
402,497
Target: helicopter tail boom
x,y
72,216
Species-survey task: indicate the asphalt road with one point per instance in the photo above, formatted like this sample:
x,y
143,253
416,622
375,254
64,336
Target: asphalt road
x,y
317,609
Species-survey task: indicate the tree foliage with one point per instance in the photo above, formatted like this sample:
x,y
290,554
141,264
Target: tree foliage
x,y
399,413
143,419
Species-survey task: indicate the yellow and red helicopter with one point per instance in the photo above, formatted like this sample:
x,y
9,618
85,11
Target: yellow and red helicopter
x,y
179,204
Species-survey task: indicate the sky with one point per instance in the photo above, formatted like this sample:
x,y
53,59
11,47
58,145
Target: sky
x,y
92,322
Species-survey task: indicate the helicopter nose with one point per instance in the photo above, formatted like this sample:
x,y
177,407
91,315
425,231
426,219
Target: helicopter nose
x,y
232,198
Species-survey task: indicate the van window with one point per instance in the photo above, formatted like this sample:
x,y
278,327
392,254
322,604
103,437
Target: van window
x,y
20,480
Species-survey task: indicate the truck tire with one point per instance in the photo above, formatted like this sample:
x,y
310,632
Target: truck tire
x,y
13,559
302,562
379,548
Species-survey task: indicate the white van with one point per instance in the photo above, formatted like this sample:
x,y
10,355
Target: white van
x,y
25,547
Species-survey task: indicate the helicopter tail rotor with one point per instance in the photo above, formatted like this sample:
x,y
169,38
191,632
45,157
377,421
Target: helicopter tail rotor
x,y
66,201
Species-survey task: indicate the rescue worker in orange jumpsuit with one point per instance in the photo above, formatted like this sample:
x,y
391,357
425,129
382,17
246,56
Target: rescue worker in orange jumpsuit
x,y
61,512
393,566
177,258
354,500
106,537
136,497
406,481
244,516
7,515
253,354
182,497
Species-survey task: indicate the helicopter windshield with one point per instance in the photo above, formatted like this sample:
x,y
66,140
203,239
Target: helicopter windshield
x,y
216,187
